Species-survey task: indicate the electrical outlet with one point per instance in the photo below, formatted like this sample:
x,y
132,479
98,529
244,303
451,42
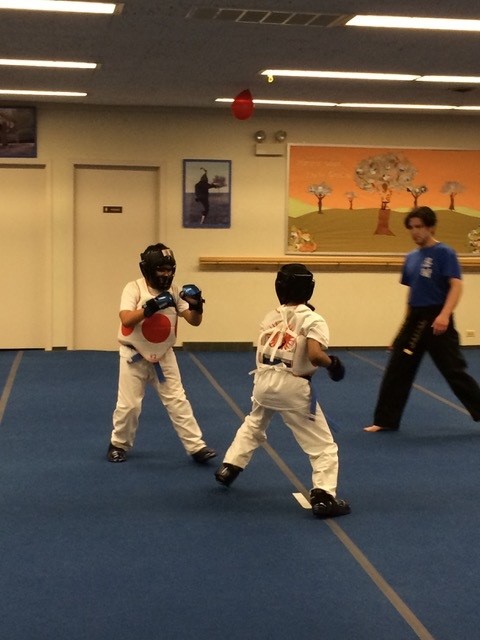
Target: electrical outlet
x,y
470,333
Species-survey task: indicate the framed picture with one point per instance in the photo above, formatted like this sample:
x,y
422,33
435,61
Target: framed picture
x,y
18,132
207,193
353,200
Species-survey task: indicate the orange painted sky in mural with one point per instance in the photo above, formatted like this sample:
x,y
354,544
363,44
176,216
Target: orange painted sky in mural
x,y
313,164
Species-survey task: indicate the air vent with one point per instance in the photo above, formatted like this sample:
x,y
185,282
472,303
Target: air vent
x,y
260,16
463,89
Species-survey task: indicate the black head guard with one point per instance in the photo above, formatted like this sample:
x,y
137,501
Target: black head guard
x,y
294,283
154,257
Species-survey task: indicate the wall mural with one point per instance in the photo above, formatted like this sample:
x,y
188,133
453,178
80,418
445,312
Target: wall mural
x,y
354,199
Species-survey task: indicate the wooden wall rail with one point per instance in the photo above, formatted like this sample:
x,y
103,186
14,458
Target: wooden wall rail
x,y
377,262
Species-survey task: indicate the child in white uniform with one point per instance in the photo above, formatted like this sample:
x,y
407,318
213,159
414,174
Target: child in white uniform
x,y
289,351
149,310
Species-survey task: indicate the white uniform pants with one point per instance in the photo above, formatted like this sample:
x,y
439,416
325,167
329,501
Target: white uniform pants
x,y
313,435
132,384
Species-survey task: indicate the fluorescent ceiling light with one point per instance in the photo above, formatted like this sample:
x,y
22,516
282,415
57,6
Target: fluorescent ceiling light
x,y
463,79
354,75
345,75
367,105
291,103
404,22
295,103
357,105
47,63
59,5
25,92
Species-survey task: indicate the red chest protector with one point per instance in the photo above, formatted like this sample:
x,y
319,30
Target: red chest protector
x,y
155,335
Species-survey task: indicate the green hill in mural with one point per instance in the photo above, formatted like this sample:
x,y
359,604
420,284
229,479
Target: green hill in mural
x,y
341,230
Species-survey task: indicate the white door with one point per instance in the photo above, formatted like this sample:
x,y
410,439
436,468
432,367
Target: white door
x,y
23,257
116,217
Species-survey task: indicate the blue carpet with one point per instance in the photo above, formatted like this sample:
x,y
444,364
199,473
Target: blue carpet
x,y
154,548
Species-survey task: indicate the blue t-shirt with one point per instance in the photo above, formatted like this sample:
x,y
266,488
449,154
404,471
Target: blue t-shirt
x,y
427,272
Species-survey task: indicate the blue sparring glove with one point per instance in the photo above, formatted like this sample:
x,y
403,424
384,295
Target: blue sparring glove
x,y
195,302
162,301
336,370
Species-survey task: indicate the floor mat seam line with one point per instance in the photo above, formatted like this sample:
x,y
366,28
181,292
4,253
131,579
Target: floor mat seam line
x,y
9,384
385,589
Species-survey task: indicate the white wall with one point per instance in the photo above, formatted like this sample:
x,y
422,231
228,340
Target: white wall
x,y
362,309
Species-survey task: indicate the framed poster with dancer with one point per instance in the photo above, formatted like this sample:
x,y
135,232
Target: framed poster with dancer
x,y
207,193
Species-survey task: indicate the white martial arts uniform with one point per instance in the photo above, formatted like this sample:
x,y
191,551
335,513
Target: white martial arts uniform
x,y
147,357
280,388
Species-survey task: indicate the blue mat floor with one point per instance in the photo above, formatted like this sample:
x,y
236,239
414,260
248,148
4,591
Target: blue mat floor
x,y
156,549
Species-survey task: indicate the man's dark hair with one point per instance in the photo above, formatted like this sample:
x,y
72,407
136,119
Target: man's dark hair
x,y
426,215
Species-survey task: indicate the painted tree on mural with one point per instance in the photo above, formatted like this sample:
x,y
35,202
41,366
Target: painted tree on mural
x,y
452,188
320,191
350,195
417,192
384,174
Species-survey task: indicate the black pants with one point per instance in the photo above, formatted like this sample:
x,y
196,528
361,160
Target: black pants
x,y
205,202
413,340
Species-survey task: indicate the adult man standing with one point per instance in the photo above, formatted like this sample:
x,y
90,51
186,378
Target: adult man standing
x,y
432,272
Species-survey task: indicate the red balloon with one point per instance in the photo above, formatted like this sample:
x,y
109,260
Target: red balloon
x,y
242,106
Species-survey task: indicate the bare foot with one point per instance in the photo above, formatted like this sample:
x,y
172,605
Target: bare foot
x,y
374,428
